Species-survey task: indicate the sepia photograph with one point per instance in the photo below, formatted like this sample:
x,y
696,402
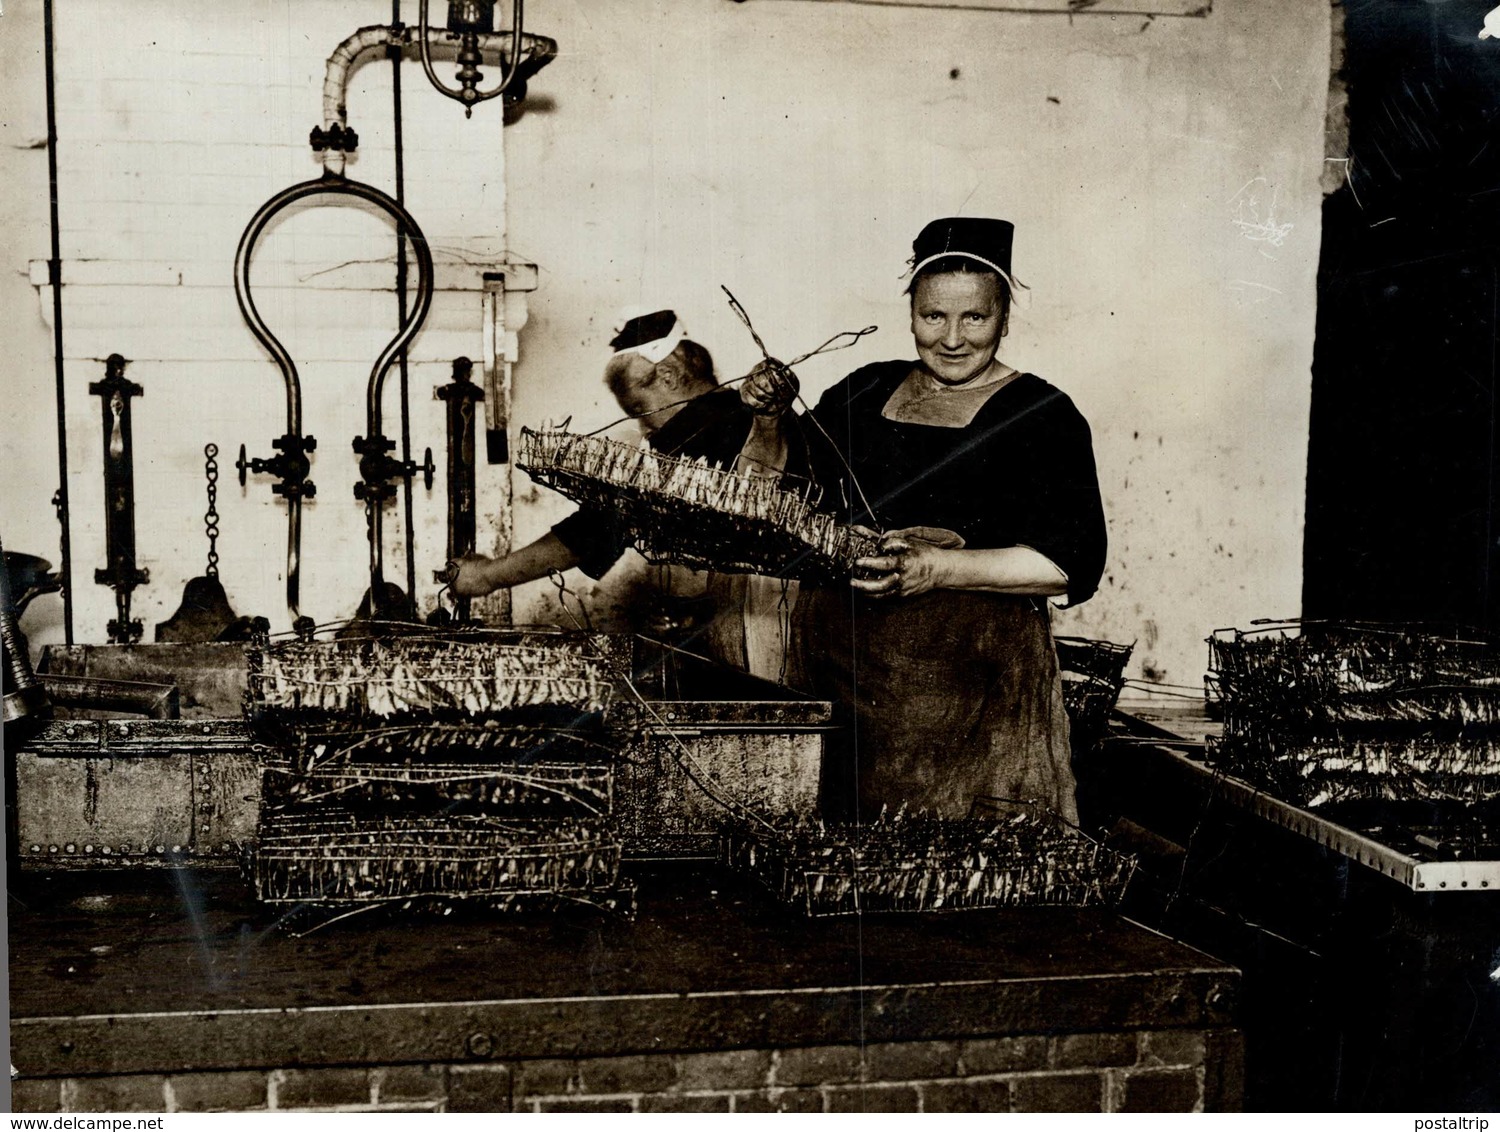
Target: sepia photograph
x,y
751,556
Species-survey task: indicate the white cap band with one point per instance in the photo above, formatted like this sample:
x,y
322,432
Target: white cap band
x,y
995,267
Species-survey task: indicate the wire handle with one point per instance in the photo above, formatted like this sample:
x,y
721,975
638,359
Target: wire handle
x,y
828,347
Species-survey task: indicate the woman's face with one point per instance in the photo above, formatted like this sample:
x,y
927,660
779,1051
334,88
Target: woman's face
x,y
957,319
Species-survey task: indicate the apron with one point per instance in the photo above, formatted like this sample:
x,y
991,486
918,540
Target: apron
x,y
946,698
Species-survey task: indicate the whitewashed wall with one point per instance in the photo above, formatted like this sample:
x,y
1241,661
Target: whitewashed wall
x,y
1163,175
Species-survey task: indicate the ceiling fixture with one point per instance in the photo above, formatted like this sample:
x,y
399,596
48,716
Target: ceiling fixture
x,y
469,20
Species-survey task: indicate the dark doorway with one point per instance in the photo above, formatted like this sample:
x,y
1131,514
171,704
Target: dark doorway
x,y
1404,455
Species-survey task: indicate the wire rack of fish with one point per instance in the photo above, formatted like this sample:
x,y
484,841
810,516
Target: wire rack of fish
x,y
427,768
1320,713
511,785
1093,672
692,513
335,859
920,863
424,690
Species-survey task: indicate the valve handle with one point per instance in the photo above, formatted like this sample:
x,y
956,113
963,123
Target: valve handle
x,y
427,469
242,464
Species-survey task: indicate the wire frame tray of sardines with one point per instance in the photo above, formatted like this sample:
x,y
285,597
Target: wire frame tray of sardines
x,y
917,862
1321,712
515,783
420,770
333,860
429,694
692,513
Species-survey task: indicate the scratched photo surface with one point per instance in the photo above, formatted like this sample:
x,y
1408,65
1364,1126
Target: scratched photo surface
x,y
563,864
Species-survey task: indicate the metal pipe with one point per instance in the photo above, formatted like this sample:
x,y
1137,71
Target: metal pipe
x,y
54,278
292,465
294,557
400,145
408,329
248,309
538,51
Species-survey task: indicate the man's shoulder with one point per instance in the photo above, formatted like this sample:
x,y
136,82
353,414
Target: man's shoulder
x,y
717,405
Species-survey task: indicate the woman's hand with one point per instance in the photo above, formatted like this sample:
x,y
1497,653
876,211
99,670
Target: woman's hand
x,y
769,389
906,566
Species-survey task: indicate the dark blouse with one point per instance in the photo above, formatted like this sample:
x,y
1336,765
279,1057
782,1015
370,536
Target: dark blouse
x,y
1021,473
714,425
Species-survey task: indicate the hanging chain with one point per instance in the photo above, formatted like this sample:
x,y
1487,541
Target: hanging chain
x,y
211,516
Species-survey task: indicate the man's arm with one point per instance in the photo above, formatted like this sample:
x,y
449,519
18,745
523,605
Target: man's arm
x,y
477,575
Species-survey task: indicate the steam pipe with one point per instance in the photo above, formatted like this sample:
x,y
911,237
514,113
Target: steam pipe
x,y
376,467
414,322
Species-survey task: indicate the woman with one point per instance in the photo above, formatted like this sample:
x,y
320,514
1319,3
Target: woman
x,y
983,479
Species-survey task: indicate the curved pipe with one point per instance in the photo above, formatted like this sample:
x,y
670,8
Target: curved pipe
x,y
415,317
251,314
328,184
538,50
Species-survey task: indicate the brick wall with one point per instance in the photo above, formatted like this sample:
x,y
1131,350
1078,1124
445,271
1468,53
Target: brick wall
x,y
1153,1071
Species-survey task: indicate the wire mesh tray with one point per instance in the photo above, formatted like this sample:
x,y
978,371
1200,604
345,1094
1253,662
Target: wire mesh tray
x,y
1316,770
1102,660
414,679
919,863
691,513
518,787
1334,673
580,739
1093,672
1323,712
331,858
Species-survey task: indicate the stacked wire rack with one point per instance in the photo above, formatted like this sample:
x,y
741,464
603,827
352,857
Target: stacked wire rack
x,y
424,771
1093,672
1319,713
920,863
691,513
